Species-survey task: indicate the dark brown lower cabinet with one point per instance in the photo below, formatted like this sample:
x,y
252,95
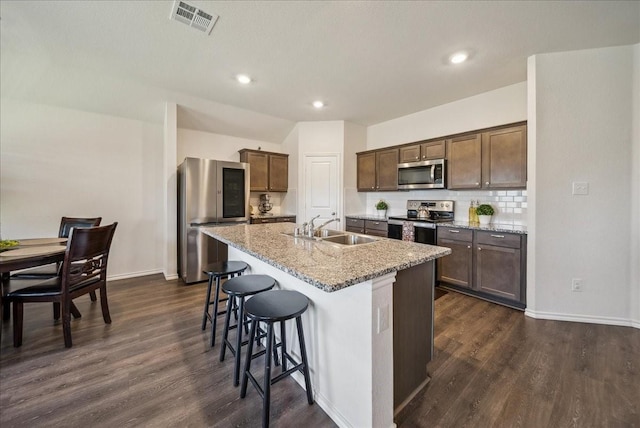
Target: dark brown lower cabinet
x,y
367,227
486,264
412,332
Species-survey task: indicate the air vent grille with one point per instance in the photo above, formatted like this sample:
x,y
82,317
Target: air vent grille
x,y
192,16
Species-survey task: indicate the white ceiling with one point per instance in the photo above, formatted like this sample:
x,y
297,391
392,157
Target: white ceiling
x,y
369,61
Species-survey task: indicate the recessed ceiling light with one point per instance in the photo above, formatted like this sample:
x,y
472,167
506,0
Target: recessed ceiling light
x,y
318,104
458,58
243,78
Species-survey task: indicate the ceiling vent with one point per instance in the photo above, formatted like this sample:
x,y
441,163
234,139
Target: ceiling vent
x,y
193,16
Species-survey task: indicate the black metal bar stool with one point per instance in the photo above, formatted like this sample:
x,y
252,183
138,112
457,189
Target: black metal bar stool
x,y
239,288
271,307
216,271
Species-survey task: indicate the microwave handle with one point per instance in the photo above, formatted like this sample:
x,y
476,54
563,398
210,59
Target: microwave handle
x,y
433,173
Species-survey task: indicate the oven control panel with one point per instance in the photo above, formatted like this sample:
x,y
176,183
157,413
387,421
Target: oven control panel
x,y
413,205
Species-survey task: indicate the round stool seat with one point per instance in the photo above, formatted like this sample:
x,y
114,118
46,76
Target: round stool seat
x,y
225,268
276,305
247,285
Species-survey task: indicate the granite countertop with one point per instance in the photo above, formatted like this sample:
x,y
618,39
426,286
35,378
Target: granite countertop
x,y
367,217
259,215
324,265
507,228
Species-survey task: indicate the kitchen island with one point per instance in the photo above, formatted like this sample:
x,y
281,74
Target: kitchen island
x,y
369,327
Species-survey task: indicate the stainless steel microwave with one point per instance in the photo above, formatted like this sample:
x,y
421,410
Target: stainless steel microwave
x,y
429,174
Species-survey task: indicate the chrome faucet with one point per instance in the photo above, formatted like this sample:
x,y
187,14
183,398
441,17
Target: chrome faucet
x,y
336,219
307,228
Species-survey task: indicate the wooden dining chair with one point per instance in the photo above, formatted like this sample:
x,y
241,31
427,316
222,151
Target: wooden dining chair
x,y
84,269
51,270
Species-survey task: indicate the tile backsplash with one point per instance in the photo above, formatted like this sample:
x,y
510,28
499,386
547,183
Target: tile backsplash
x,y
510,205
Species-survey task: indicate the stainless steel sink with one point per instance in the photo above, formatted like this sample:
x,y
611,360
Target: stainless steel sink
x,y
349,239
323,233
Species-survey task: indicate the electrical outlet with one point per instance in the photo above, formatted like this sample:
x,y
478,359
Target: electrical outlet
x,y
580,188
383,318
576,284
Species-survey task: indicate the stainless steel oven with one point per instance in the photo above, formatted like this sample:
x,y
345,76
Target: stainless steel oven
x,y
421,219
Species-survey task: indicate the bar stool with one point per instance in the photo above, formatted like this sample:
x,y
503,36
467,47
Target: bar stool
x,y
239,288
216,271
271,307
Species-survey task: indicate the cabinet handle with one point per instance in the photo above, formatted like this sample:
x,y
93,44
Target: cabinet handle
x,y
479,248
497,236
486,183
477,183
372,187
454,231
468,246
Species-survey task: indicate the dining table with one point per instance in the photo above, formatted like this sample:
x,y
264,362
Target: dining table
x,y
29,253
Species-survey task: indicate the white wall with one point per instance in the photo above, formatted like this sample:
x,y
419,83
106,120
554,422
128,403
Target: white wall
x,y
290,199
494,108
635,192
59,162
355,140
499,107
582,131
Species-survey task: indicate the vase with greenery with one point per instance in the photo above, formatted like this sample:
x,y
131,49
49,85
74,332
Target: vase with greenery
x,y
485,211
382,207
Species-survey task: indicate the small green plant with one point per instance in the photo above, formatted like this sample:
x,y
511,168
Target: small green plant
x,y
382,205
485,209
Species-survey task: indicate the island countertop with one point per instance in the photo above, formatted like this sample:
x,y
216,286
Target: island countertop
x,y
324,265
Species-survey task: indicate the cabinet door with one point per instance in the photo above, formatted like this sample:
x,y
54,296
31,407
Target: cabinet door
x,y
456,267
465,162
387,169
259,170
434,150
278,173
504,158
498,271
367,172
410,153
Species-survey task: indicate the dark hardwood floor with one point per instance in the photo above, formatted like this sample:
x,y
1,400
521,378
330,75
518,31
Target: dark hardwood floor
x,y
153,367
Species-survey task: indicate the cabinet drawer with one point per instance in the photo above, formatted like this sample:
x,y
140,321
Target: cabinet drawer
x,y
262,220
354,222
376,225
355,229
455,234
499,239
373,232
286,219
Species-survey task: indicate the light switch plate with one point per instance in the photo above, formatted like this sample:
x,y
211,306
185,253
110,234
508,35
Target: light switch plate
x,y
580,188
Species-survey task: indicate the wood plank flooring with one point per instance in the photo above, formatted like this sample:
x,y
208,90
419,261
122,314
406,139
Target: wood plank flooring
x,y
153,367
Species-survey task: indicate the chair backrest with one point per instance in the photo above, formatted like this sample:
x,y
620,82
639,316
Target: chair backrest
x,y
86,256
68,222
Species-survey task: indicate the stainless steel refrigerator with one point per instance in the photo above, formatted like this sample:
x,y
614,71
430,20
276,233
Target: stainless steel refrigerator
x,y
210,193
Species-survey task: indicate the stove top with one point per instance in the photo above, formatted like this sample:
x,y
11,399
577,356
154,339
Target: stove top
x,y
426,220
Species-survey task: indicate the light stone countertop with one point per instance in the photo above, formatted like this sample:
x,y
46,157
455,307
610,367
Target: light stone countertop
x,y
259,215
324,265
507,228
367,217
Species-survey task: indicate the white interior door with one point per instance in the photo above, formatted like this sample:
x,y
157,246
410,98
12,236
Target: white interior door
x,y
322,192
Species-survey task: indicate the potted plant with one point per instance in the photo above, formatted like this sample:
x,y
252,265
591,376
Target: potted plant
x,y
382,207
484,211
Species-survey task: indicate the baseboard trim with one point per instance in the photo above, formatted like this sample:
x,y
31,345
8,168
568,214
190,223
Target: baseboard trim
x,y
134,274
581,318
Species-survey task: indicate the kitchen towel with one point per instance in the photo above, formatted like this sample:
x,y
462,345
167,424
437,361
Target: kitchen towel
x,y
407,231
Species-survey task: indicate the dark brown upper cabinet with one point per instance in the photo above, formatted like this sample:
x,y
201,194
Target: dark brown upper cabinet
x,y
269,171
